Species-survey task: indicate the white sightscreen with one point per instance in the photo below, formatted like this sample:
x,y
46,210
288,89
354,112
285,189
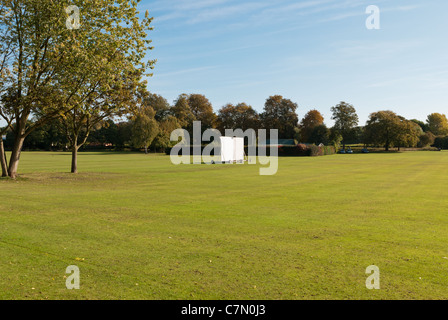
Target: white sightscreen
x,y
232,149
227,149
238,144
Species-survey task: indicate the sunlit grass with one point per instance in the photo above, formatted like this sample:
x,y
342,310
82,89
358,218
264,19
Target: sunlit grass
x,y
147,229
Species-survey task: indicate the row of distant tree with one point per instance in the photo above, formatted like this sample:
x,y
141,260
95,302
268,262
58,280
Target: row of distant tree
x,y
151,126
64,88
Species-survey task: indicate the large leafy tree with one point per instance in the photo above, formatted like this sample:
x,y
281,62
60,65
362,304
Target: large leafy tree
x,y
388,129
107,65
407,134
280,113
422,125
144,128
33,30
438,124
166,126
56,71
320,134
167,122
202,110
240,116
381,128
117,100
182,111
427,139
309,122
159,104
6,53
345,118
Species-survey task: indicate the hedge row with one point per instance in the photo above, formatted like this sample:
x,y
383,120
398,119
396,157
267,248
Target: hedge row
x,y
441,142
300,150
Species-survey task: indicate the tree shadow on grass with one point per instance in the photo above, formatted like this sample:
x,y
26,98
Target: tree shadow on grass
x,y
62,176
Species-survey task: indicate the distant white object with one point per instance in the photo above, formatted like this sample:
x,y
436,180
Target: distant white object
x,y
232,149
238,144
4,137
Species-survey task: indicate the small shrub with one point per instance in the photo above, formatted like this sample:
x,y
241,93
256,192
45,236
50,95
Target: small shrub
x,y
315,151
329,150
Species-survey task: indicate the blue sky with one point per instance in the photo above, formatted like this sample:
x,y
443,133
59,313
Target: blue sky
x,y
315,53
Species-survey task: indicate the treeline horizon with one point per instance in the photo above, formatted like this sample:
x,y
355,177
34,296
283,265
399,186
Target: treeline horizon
x,y
151,127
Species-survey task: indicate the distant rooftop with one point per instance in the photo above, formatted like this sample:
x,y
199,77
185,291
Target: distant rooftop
x,y
282,142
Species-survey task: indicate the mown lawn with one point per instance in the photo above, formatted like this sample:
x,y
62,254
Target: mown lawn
x,y
139,227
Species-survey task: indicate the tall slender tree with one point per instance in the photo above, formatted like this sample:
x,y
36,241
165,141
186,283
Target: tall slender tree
x,y
144,128
346,119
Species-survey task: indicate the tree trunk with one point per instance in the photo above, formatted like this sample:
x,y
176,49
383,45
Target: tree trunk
x,y
74,159
15,156
3,163
146,150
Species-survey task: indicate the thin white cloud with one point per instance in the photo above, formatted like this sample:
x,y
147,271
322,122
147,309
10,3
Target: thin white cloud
x,y
224,12
184,71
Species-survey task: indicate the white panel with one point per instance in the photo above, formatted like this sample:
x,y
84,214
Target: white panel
x,y
227,149
238,149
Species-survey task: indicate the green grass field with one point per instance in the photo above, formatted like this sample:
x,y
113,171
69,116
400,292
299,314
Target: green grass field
x,y
139,227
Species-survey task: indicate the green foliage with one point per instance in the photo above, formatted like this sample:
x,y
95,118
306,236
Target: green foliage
x,y
159,104
422,125
345,118
335,139
166,126
202,110
302,150
297,134
441,142
280,113
320,134
49,136
329,150
427,139
182,111
388,129
241,116
438,124
81,76
144,128
315,151
309,123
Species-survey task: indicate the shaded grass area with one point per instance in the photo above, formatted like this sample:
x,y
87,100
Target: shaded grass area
x,y
139,227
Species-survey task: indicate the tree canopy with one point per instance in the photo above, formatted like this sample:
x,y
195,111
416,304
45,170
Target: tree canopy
x,y
241,116
345,118
51,71
388,129
309,122
280,113
438,124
